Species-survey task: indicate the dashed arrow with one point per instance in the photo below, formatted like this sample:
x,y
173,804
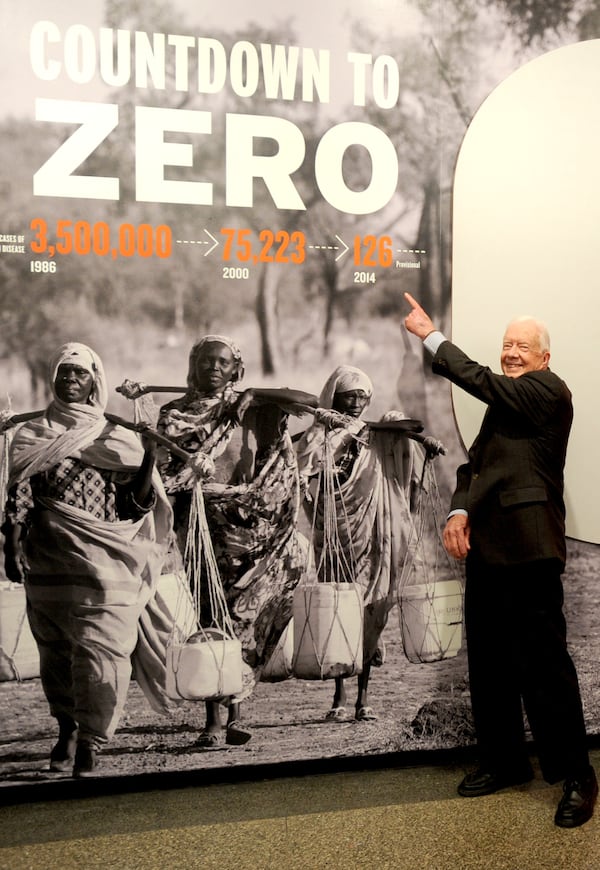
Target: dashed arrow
x,y
346,248
215,242
213,246
331,248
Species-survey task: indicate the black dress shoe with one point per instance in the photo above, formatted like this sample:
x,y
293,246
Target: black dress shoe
x,y
577,803
483,782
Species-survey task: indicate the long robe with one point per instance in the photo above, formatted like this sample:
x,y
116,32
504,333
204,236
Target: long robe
x,y
88,578
374,472
252,503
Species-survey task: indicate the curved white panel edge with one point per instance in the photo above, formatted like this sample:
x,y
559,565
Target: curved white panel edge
x,y
526,240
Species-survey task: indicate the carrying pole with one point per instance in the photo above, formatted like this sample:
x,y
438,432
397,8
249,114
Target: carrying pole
x,y
143,428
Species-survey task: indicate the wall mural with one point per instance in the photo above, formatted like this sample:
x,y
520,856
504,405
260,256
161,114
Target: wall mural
x,y
281,177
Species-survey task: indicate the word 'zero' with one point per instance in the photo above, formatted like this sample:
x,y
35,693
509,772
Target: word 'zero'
x,y
154,153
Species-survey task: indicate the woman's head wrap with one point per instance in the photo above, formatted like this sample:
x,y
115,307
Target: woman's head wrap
x,y
342,380
67,428
238,373
77,354
310,446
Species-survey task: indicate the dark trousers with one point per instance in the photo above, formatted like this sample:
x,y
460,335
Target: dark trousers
x,y
517,653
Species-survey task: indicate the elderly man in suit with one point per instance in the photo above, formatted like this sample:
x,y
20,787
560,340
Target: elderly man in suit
x,y
507,518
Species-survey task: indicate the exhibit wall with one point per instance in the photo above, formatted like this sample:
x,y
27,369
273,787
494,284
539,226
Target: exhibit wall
x,y
283,174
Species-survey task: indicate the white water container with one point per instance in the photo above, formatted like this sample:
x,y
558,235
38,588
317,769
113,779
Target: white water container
x,y
279,666
175,599
328,630
19,657
431,616
207,667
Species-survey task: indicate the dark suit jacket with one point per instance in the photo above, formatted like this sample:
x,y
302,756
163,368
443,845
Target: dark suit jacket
x,y
512,485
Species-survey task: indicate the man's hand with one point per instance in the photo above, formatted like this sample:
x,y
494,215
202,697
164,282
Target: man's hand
x,y
456,536
418,321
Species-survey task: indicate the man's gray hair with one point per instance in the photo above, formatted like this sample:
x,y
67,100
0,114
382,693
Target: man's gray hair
x,y
540,328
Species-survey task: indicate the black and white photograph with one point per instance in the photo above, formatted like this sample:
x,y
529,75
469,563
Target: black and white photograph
x,y
267,272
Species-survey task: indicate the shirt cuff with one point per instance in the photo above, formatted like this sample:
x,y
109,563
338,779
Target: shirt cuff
x,y
433,341
458,512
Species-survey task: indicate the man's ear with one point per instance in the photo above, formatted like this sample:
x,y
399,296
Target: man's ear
x,y
545,359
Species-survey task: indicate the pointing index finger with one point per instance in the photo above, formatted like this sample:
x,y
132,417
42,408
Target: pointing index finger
x,y
412,302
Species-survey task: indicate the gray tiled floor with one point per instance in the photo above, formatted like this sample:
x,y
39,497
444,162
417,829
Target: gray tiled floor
x,y
400,818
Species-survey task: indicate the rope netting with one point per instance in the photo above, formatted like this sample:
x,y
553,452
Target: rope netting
x,y
431,589
328,606
202,571
19,658
212,645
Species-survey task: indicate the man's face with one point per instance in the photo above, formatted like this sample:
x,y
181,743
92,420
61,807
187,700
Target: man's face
x,y
521,350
